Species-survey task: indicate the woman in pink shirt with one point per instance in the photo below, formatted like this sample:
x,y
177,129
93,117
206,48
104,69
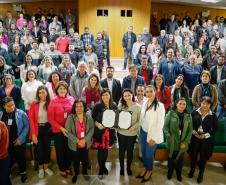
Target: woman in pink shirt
x,y
59,109
21,22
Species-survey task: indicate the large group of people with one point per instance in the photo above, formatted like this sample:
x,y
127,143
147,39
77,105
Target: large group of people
x,y
176,88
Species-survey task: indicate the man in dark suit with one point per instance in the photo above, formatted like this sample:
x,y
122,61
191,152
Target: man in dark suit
x,y
218,72
112,84
169,68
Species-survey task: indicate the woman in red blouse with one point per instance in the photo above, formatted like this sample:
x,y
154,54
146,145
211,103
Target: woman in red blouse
x,y
91,93
163,91
58,111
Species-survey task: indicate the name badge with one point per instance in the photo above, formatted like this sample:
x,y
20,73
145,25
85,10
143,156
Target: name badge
x,y
10,122
82,134
65,115
179,132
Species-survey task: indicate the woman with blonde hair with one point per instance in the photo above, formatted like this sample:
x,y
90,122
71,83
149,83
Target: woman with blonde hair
x,y
45,69
66,68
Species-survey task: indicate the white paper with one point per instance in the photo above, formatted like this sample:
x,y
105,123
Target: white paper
x,y
108,119
124,120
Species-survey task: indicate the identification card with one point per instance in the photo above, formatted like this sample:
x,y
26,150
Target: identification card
x,y
82,134
65,115
10,122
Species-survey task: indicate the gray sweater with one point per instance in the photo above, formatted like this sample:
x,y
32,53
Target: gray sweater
x,y
136,111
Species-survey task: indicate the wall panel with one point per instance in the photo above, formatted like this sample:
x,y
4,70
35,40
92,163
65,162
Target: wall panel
x,y
114,23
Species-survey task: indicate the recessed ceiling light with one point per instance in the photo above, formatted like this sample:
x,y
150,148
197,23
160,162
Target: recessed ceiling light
x,y
211,1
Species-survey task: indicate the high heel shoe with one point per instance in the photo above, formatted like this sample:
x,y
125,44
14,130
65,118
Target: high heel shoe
x,y
142,174
147,176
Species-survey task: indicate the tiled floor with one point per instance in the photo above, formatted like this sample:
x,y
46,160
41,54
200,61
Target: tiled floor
x,y
215,174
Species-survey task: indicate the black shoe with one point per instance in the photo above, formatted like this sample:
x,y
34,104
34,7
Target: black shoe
x,y
122,172
140,158
129,171
23,177
74,178
200,178
87,177
105,171
190,175
179,178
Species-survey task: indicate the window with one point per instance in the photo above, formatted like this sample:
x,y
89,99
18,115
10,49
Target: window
x,y
129,13
123,13
105,13
101,12
126,13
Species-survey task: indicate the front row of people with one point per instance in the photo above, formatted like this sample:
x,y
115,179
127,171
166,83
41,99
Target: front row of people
x,y
75,130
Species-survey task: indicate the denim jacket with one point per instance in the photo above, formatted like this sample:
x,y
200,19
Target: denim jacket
x,y
22,123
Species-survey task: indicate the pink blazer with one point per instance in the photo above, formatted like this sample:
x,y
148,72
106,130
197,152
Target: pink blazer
x,y
33,118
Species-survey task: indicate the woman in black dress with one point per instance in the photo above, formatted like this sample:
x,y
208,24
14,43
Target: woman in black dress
x,y
103,137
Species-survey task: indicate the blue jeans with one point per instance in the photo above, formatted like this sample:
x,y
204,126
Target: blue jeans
x,y
148,152
221,112
127,51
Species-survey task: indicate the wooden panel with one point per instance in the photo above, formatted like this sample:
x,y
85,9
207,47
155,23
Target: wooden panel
x,y
114,23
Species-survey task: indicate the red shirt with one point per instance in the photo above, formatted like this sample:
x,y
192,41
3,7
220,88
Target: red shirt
x,y
62,44
58,110
145,76
81,130
4,141
165,100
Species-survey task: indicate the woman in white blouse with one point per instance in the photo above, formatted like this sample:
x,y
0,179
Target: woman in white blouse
x,y
28,64
45,69
29,88
151,134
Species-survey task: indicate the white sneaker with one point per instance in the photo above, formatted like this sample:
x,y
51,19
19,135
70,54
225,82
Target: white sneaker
x,y
49,172
41,173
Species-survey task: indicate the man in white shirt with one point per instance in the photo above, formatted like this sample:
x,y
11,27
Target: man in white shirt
x,y
136,46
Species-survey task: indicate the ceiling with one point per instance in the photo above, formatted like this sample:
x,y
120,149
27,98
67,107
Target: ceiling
x,y
219,4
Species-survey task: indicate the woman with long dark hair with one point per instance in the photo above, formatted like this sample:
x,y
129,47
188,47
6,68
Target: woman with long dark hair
x,y
152,121
40,129
80,131
91,93
103,137
127,137
204,126
28,65
179,90
163,91
142,52
53,79
178,131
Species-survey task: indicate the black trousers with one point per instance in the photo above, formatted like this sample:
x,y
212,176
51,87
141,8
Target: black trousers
x,y
5,171
102,155
18,154
63,153
198,150
126,144
42,149
175,164
81,155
